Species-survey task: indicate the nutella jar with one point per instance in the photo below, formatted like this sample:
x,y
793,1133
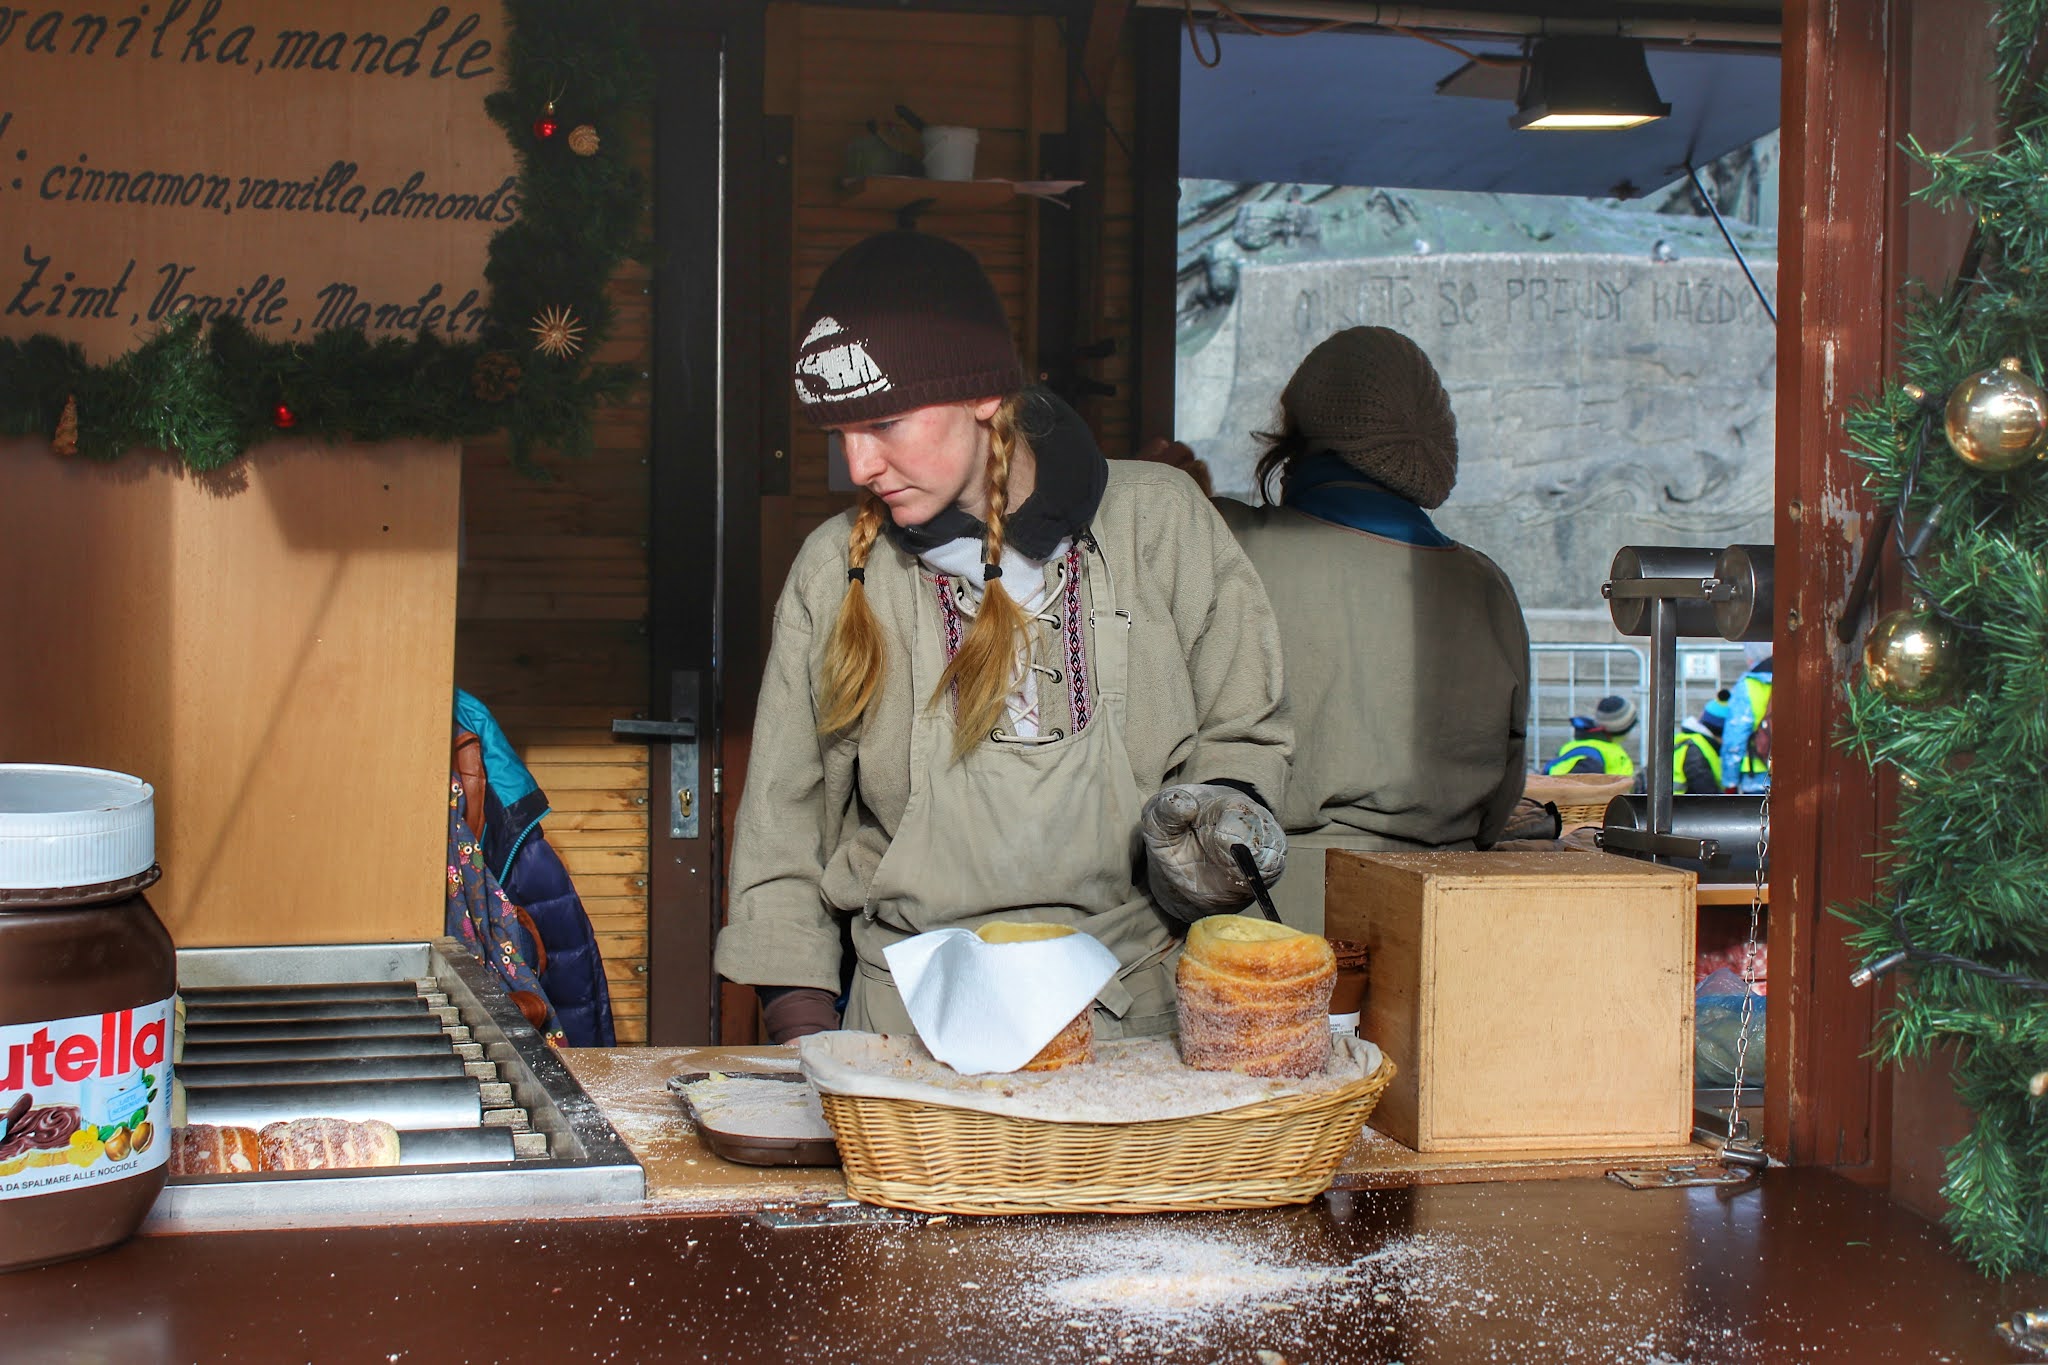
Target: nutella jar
x,y
87,973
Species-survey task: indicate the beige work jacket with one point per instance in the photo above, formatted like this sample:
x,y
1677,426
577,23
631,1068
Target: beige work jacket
x,y
1407,682
818,811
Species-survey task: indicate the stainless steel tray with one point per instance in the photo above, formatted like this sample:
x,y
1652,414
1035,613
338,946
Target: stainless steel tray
x,y
586,1162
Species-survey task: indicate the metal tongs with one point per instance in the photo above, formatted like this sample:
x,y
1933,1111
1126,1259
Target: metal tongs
x,y
1249,865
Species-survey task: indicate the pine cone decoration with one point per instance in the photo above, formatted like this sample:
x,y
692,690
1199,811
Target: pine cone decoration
x,y
496,376
583,140
64,441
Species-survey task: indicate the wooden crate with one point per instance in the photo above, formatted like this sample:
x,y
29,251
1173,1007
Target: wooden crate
x,y
1530,999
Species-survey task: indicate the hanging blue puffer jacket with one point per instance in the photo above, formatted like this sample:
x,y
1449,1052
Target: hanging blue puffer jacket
x,y
534,879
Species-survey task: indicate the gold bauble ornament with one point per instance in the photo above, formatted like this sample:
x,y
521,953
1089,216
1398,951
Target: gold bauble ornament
x,y
1911,656
583,140
1997,419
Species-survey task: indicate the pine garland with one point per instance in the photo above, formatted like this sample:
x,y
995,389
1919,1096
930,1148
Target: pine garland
x,y
207,393
1968,858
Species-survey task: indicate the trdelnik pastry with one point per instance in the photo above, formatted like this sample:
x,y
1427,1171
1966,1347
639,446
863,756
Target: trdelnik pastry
x,y
1002,999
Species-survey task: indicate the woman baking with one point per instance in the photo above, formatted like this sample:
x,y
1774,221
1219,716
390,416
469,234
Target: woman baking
x,y
1407,656
1013,682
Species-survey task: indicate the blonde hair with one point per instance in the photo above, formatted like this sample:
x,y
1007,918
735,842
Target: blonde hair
x,y
980,675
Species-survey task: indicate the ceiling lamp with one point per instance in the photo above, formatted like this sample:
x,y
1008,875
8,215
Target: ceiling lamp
x,y
1587,83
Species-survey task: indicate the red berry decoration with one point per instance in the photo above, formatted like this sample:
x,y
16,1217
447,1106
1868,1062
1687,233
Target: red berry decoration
x,y
283,418
545,126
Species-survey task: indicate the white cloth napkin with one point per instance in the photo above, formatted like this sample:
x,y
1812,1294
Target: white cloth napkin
x,y
991,1006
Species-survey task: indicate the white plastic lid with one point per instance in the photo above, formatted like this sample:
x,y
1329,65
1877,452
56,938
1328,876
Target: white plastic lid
x,y
62,826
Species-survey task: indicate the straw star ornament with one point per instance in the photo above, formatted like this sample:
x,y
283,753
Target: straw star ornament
x,y
557,333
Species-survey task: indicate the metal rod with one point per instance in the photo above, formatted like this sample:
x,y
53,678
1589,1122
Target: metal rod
x,y
1663,701
455,1146
315,1049
449,1103
1678,589
423,1026
1505,24
272,1011
267,995
325,1069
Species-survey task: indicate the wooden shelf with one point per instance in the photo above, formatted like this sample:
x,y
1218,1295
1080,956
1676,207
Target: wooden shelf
x,y
900,192
1728,893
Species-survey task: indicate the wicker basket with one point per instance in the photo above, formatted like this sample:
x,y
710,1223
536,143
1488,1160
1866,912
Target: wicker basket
x,y
1581,798
939,1159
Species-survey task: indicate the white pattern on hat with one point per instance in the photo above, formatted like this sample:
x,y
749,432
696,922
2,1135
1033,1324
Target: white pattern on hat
x,y
845,370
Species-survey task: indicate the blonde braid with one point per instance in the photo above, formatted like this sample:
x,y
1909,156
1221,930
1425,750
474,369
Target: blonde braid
x,y
985,667
853,653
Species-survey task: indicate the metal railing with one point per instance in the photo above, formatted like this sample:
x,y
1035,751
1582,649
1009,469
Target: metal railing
x,y
1567,680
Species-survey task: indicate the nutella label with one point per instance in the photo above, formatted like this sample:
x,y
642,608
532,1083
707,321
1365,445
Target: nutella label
x,y
84,1100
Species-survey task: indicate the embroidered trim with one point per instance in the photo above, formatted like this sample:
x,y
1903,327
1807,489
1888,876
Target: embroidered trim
x,y
1077,647
1071,632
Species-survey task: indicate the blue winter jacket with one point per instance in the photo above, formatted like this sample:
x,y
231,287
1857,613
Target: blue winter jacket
x,y
534,879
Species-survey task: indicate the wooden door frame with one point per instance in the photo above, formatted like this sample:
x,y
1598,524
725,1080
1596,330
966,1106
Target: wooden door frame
x,y
704,513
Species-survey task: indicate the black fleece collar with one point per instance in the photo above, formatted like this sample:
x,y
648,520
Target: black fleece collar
x,y
1071,475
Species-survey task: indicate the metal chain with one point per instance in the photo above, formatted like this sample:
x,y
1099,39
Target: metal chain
x,y
1749,953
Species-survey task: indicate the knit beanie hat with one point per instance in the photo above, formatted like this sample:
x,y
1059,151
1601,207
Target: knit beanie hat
x,y
902,320
1614,714
1370,395
1714,715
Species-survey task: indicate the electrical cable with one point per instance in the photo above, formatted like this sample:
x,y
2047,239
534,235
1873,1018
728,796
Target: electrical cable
x,y
1210,63
1692,172
1907,952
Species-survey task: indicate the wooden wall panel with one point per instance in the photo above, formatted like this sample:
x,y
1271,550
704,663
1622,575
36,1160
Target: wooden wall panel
x,y
831,69
269,647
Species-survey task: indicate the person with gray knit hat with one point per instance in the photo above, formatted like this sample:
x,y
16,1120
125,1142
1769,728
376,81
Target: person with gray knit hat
x,y
1406,655
1595,746
1008,669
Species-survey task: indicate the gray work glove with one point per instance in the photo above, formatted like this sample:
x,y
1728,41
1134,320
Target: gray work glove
x,y
1188,830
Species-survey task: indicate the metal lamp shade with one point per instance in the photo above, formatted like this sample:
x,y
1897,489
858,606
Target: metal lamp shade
x,y
1588,84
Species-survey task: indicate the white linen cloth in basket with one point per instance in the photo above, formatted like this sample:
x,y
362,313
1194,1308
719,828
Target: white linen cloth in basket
x,y
1132,1080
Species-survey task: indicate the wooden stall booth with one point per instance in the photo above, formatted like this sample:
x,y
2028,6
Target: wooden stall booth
x,y
274,639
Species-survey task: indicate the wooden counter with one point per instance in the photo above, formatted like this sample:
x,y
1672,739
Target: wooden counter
x,y
1575,1272
630,1085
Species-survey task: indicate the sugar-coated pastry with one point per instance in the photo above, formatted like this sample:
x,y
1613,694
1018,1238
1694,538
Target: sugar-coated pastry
x,y
1254,997
1073,1044
209,1149
329,1145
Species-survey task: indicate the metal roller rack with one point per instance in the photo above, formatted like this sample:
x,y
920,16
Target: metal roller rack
x,y
420,1035
1665,591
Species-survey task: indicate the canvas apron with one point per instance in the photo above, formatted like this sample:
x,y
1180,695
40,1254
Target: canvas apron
x,y
1043,829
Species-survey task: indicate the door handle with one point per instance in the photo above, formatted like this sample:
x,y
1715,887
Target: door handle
x,y
684,755
685,730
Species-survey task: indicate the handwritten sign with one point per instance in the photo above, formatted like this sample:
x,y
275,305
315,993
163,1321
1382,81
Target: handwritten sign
x,y
296,164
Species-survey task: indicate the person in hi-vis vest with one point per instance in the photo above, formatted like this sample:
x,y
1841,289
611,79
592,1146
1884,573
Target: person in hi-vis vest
x,y
1594,747
1746,741
1696,749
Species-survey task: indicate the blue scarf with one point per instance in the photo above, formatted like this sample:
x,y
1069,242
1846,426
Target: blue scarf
x,y
1328,488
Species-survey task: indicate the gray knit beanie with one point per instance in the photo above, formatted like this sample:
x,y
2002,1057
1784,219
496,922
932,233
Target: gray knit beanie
x,y
1615,715
1370,395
